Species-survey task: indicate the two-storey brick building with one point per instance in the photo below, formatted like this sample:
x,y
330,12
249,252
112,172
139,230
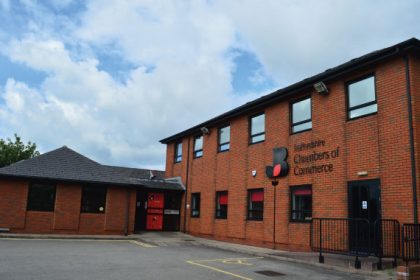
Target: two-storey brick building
x,y
347,142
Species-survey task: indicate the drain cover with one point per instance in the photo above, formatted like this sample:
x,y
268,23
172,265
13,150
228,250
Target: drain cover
x,y
269,273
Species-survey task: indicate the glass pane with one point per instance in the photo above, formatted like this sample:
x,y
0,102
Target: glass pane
x,y
198,144
258,124
224,147
258,138
198,154
302,127
224,135
301,110
364,111
362,92
179,149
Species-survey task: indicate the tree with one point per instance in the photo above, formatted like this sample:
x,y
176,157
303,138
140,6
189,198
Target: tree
x,y
11,152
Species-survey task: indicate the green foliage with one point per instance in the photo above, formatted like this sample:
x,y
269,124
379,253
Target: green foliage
x,y
14,151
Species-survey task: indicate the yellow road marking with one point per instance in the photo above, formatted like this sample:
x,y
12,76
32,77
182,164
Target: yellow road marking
x,y
145,245
239,261
219,270
229,259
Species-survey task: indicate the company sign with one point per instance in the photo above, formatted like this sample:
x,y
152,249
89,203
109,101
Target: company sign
x,y
280,166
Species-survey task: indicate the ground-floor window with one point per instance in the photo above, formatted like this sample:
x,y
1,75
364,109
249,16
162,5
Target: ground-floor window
x,y
221,204
41,197
255,204
93,199
195,205
301,203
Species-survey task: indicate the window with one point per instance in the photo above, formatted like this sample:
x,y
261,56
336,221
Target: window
x,y
93,199
301,115
41,197
361,98
178,152
257,129
224,139
198,146
255,204
301,203
221,205
195,205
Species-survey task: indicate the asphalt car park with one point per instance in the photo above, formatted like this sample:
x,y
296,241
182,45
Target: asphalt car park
x,y
34,259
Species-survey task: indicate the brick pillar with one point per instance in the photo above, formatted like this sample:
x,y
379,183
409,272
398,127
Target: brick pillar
x,y
411,272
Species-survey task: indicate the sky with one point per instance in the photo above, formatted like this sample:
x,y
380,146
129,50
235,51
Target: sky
x,y
110,78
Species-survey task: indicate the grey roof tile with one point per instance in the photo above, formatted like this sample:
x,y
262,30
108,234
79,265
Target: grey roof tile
x,y
64,164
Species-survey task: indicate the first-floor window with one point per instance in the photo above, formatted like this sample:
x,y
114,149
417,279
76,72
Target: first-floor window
x,y
221,205
255,204
41,197
195,205
301,203
93,199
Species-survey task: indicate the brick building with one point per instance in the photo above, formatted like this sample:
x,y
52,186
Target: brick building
x,y
64,192
342,143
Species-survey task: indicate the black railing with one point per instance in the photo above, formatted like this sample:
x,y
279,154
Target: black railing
x,y
387,240
355,237
341,236
410,242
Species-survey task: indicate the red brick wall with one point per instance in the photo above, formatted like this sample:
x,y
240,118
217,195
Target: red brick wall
x,y
13,195
378,144
67,217
67,207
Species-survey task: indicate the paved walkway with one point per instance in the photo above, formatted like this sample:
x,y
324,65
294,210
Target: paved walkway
x,y
335,262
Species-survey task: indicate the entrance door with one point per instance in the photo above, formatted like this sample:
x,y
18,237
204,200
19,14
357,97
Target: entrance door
x,y
364,203
141,207
172,210
155,204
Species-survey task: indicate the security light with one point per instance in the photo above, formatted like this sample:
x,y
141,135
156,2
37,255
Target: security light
x,y
205,130
321,88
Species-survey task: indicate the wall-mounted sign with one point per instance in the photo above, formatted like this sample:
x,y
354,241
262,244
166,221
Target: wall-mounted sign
x,y
280,166
364,204
171,212
316,160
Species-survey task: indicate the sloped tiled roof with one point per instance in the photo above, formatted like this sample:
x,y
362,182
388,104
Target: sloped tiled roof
x,y
64,164
297,88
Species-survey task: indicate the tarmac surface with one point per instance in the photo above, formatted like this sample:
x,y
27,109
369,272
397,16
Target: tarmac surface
x,y
152,257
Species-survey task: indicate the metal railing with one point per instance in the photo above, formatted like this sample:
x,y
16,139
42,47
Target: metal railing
x,y
410,242
387,240
355,237
341,236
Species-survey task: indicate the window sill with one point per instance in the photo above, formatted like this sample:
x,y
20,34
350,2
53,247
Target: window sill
x,y
221,218
224,151
254,220
43,211
95,213
258,142
197,157
298,132
195,216
300,221
359,117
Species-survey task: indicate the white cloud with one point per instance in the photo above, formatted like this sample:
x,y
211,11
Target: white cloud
x,y
187,43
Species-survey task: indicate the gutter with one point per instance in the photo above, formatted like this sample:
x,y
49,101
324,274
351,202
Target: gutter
x,y
412,146
186,185
298,87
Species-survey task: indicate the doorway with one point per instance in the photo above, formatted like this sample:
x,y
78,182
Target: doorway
x,y
364,205
158,211
141,208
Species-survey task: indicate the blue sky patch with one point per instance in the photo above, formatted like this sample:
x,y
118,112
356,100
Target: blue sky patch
x,y
249,74
19,72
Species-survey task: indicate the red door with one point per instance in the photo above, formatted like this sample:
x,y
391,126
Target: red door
x,y
155,204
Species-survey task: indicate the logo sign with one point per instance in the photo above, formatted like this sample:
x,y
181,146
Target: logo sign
x,y
280,166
